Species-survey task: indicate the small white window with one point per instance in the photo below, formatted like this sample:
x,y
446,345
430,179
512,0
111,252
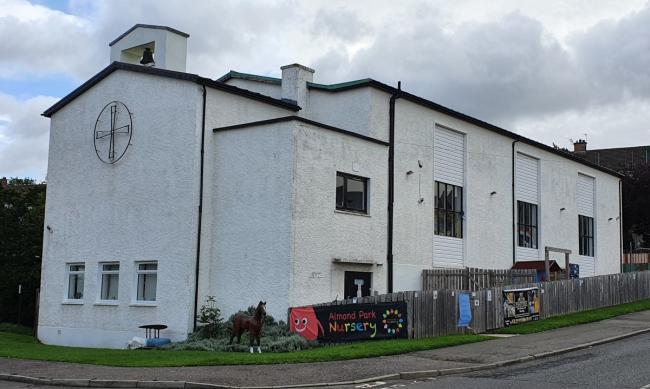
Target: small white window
x,y
76,281
147,273
110,279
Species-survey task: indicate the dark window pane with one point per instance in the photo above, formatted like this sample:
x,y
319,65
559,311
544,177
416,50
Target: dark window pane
x,y
441,222
441,195
339,191
458,224
533,215
435,194
355,195
533,235
520,212
450,197
458,199
449,225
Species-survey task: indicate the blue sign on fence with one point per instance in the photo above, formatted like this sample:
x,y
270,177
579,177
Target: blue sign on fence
x,y
464,309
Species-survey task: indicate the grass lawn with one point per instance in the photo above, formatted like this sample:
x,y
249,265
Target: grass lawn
x,y
27,347
575,318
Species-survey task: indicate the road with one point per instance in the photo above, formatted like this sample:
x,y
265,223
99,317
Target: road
x,y
622,364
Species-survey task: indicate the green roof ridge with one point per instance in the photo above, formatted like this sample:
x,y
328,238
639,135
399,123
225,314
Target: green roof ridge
x,y
340,85
248,76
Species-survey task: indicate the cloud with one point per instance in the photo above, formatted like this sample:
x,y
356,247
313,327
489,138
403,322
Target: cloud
x,y
620,124
615,56
38,40
24,136
543,70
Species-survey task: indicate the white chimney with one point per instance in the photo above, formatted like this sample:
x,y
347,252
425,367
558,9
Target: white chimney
x,y
294,83
169,47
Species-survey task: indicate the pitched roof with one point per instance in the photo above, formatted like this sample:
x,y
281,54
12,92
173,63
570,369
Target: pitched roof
x,y
175,31
369,82
169,74
302,120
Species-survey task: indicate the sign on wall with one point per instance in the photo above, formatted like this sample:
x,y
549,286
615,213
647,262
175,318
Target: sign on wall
x,y
520,305
341,323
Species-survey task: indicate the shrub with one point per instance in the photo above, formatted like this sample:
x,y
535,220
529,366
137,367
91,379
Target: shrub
x,y
210,318
275,338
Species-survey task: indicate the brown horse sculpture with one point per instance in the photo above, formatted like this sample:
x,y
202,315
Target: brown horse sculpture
x,y
252,324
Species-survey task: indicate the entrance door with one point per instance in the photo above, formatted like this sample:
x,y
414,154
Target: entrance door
x,y
357,284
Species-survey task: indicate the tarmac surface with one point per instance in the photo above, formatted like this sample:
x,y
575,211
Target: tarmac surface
x,y
465,356
621,364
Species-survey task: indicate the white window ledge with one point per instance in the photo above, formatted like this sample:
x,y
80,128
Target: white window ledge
x,y
143,304
351,213
107,302
73,302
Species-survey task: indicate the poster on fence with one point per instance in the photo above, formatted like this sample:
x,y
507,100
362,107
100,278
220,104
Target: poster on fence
x,y
520,305
342,323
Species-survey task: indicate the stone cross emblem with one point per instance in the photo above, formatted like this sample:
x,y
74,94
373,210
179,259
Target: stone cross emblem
x,y
113,131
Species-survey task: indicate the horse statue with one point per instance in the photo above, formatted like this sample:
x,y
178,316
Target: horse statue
x,y
252,324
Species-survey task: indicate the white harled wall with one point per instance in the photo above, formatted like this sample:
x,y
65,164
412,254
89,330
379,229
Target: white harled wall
x,y
320,232
143,207
246,206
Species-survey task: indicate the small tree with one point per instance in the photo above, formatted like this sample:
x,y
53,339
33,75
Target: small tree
x,y
210,318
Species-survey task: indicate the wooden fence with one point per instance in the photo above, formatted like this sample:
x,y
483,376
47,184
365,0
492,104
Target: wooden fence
x,y
435,312
474,279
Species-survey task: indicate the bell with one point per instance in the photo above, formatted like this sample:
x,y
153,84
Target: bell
x,y
147,57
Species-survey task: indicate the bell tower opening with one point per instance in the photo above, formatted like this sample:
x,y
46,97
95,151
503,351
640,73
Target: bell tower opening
x,y
150,45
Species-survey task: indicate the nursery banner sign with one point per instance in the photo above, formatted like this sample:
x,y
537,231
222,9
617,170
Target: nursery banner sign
x,y
339,323
520,305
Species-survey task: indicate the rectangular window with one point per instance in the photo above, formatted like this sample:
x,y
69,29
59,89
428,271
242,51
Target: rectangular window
x,y
586,235
76,281
147,280
351,193
448,204
527,224
110,279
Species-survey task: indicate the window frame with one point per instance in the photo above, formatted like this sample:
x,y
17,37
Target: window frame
x,y
68,273
137,273
346,176
586,241
101,273
454,213
522,222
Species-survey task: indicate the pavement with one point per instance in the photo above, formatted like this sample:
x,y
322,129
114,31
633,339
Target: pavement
x,y
431,363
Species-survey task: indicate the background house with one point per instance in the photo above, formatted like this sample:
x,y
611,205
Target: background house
x,y
634,163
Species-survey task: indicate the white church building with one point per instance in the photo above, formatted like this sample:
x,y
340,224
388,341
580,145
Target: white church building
x,y
165,187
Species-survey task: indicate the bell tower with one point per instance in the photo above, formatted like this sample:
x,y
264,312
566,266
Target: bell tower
x,y
149,45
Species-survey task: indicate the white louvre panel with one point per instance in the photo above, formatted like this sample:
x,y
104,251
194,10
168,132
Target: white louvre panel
x,y
585,195
587,266
527,254
526,179
448,156
447,252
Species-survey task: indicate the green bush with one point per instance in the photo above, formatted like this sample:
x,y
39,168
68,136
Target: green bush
x,y
210,319
275,338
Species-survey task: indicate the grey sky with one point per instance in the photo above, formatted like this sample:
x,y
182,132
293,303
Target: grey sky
x,y
550,70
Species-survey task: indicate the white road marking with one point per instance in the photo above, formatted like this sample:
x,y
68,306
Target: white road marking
x,y
645,387
372,385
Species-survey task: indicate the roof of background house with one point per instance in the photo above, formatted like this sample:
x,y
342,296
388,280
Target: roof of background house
x,y
620,158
